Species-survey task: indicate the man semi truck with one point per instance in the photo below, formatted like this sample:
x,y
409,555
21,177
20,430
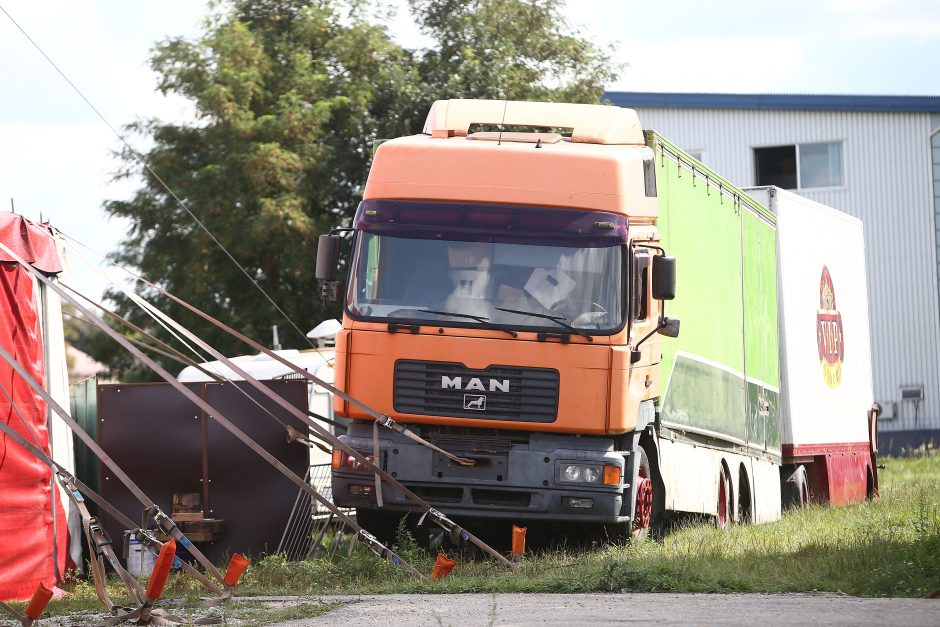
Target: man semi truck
x,y
515,298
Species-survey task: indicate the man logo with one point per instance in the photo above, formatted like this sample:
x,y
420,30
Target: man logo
x,y
456,383
476,402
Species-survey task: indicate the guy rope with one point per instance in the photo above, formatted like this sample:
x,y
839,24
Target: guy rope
x,y
101,545
367,538
427,512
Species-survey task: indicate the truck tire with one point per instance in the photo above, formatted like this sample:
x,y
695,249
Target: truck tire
x,y
745,502
795,490
723,519
644,514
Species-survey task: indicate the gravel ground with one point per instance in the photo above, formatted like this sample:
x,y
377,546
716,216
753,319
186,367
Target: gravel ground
x,y
578,609
605,609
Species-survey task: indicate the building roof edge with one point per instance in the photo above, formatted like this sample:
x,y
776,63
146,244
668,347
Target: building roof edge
x,y
778,102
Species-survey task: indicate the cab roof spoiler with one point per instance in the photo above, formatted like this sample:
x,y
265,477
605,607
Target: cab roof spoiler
x,y
590,124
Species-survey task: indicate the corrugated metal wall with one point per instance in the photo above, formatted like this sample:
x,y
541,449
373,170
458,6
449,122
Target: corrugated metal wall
x,y
888,172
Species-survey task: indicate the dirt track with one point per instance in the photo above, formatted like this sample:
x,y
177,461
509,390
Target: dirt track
x,y
597,609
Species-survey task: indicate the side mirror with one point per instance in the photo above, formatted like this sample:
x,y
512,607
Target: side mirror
x,y
669,327
663,277
328,248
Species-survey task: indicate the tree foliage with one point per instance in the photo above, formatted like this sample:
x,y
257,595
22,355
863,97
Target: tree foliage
x,y
289,96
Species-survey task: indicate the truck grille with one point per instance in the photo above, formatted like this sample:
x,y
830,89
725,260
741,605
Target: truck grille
x,y
433,388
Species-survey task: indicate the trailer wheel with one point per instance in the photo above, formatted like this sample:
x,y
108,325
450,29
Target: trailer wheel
x,y
796,489
723,520
643,504
745,509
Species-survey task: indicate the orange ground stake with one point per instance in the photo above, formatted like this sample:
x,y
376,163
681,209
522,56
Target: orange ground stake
x,y
442,567
236,567
161,570
39,601
518,541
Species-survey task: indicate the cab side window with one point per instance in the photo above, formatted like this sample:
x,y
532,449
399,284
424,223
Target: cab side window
x,y
641,285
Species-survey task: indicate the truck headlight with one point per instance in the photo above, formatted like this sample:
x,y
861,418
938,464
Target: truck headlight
x,y
582,473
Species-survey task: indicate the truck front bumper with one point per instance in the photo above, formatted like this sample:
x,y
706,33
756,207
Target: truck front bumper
x,y
524,481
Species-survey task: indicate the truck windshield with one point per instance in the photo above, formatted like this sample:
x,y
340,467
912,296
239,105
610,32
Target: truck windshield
x,y
398,278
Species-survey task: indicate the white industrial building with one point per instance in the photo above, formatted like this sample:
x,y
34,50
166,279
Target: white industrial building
x,y
873,157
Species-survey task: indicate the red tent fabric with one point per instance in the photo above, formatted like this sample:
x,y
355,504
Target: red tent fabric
x,y
33,242
26,493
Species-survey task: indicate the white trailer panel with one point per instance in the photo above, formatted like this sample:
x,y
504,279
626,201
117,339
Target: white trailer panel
x,y
825,345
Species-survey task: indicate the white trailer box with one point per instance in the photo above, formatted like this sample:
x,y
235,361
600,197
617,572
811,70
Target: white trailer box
x,y
825,345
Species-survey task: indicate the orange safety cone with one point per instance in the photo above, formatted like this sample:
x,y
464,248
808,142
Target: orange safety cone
x,y
161,570
518,542
442,567
38,603
236,567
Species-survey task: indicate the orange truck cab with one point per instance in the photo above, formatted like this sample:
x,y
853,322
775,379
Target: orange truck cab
x,y
499,287
507,301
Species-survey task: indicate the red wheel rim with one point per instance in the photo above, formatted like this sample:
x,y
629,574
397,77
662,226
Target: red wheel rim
x,y
722,502
644,501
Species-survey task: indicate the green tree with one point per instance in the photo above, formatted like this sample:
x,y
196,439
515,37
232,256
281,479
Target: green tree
x,y
515,49
289,96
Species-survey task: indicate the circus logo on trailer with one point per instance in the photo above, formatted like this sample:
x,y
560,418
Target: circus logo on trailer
x,y
829,338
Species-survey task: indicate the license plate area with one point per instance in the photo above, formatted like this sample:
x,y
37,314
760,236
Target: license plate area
x,y
486,468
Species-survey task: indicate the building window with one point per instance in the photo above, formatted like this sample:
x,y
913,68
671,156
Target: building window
x,y
800,166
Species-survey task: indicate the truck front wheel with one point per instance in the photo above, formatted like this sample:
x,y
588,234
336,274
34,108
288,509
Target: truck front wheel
x,y
643,499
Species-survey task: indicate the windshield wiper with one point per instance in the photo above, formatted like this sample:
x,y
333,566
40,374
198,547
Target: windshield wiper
x,y
483,320
556,319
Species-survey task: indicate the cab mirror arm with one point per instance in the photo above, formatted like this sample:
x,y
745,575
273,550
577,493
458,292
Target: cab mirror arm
x,y
663,288
667,326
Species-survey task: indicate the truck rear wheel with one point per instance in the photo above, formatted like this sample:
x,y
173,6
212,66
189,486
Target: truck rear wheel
x,y
723,519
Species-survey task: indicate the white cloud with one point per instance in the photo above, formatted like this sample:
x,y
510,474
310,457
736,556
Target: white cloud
x,y
855,7
898,27
746,65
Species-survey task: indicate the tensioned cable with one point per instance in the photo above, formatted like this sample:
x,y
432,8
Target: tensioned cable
x,y
159,317
107,507
56,469
135,298
179,358
293,434
156,176
166,522
380,474
76,245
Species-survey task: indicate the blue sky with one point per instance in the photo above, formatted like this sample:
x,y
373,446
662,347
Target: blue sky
x,y
55,157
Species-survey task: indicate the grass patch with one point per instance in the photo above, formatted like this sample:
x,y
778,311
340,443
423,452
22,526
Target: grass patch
x,y
887,547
